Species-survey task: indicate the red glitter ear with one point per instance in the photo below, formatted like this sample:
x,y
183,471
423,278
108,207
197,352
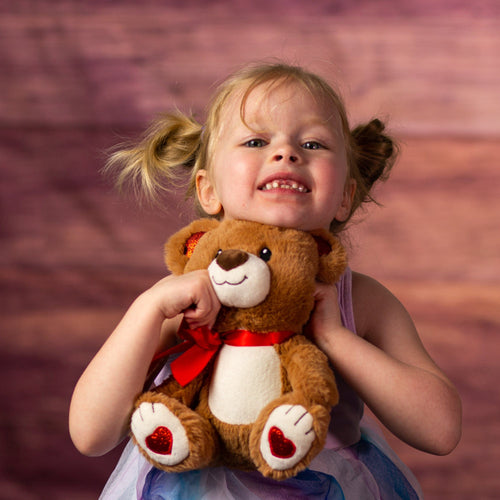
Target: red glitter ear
x,y
191,243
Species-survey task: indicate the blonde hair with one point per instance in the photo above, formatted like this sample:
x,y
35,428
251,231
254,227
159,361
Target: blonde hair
x,y
177,143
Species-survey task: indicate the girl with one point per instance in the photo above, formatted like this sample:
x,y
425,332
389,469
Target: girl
x,y
276,148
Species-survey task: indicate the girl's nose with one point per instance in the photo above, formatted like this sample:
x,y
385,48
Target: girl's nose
x,y
286,152
290,157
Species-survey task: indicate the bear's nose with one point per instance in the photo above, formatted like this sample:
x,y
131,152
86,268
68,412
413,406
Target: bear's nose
x,y
230,259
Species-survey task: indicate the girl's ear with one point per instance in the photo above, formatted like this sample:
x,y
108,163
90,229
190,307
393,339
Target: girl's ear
x,y
345,208
207,196
332,257
180,246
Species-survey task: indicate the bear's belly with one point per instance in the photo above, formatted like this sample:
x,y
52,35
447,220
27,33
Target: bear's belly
x,y
244,380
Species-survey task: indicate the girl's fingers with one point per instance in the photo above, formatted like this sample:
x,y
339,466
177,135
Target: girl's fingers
x,y
205,307
190,294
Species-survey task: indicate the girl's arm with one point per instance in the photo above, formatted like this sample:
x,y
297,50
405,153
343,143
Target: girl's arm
x,y
388,366
104,395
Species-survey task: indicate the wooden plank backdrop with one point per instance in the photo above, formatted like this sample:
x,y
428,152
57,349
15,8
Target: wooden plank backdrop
x,y
77,77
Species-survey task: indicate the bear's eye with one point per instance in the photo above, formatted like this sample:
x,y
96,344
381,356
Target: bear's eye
x,y
218,252
265,254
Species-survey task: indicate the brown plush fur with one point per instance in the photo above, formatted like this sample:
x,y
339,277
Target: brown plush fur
x,y
306,378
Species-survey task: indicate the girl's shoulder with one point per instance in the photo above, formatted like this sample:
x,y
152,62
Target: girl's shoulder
x,y
376,309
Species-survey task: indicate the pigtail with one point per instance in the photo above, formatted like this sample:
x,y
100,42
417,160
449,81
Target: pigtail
x,y
371,156
374,154
156,163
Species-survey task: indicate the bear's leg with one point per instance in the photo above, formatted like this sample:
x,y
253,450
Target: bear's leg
x,y
170,435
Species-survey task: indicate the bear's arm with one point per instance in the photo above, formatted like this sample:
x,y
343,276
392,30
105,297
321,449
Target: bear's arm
x,y
308,372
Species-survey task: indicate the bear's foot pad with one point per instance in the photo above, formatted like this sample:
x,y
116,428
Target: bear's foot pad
x,y
160,434
287,437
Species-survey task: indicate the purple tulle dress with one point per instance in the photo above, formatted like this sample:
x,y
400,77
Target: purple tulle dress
x,y
355,464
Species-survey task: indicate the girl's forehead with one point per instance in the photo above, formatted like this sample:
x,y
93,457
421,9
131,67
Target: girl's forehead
x,y
263,100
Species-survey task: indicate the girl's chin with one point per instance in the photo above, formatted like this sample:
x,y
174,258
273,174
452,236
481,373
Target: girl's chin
x,y
294,217
284,221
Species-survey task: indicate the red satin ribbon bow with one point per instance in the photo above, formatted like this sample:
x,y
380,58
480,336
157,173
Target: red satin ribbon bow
x,y
202,344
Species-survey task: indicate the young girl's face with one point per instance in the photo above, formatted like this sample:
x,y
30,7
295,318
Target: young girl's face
x,y
285,164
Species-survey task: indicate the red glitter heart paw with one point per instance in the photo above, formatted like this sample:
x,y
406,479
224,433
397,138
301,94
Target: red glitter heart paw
x,y
281,447
287,437
160,434
160,441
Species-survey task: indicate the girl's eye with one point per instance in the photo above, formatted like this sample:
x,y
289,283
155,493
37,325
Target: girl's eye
x,y
255,143
312,145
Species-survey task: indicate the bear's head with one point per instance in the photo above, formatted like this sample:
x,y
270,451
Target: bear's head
x,y
264,276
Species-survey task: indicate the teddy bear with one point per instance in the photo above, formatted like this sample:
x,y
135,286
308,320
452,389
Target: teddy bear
x,y
253,392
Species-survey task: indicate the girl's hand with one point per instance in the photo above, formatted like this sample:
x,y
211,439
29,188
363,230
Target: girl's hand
x,y
326,318
191,294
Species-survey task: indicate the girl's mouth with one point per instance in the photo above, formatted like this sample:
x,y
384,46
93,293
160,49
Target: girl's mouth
x,y
284,184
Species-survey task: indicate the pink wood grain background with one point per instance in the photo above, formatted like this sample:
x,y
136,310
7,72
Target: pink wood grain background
x,y
78,77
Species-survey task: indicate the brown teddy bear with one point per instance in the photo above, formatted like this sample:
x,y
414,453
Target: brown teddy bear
x,y
253,392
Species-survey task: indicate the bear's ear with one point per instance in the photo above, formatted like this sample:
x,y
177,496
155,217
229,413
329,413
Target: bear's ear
x,y
332,256
180,246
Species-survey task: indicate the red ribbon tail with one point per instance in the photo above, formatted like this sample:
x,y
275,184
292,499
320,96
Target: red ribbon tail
x,y
188,366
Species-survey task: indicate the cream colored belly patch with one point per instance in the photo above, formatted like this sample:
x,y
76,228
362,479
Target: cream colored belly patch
x,y
245,379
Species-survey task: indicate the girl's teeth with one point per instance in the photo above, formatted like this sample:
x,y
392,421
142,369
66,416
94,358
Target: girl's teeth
x,y
294,186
